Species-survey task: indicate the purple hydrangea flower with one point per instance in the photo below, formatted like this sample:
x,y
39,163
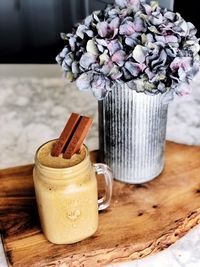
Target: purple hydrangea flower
x,y
150,48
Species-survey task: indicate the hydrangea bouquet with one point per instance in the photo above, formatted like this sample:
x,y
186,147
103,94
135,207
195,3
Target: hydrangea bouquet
x,y
150,48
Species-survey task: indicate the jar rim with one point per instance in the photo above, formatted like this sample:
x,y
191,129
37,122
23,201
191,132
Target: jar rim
x,y
64,169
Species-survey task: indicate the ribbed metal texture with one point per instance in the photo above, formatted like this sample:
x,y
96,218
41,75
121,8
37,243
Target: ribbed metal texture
x,y
132,130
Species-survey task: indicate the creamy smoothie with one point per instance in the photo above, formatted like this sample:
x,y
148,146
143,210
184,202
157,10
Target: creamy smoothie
x,y
66,193
45,158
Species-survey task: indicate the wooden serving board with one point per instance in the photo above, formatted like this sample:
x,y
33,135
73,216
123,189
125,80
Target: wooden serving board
x,y
141,220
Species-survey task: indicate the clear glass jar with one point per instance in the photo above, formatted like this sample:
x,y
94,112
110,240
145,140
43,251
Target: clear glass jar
x,y
67,199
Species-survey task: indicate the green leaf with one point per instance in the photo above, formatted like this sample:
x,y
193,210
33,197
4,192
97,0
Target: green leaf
x,y
69,76
92,48
139,53
103,57
153,29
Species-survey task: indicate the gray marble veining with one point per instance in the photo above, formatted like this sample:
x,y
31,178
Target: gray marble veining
x,y
184,117
33,111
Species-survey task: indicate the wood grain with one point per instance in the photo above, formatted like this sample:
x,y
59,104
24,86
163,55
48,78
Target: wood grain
x,y
141,220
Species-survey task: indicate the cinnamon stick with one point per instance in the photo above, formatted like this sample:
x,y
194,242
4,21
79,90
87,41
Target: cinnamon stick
x,y
78,137
66,135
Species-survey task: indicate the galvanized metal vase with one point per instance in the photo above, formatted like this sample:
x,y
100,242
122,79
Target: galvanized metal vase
x,y
132,131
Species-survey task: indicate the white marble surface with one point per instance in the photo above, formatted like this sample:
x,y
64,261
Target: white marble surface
x,y
35,110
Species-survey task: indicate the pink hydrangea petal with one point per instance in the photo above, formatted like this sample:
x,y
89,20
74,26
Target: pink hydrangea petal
x,y
102,42
86,60
115,72
138,25
102,28
118,56
88,20
100,86
83,82
80,31
72,42
114,23
183,89
171,39
106,69
127,28
170,15
135,4
133,68
148,9
113,46
178,62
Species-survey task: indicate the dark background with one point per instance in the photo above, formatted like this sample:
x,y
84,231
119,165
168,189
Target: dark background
x,y
30,29
189,10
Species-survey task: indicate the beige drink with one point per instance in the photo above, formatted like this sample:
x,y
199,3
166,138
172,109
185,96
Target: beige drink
x,y
66,193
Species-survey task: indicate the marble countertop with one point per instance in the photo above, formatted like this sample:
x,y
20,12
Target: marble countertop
x,y
34,110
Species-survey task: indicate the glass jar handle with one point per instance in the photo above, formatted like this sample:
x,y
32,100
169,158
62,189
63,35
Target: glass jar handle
x,y
101,168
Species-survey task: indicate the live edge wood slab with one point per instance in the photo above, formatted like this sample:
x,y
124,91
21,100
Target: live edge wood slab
x,y
141,220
